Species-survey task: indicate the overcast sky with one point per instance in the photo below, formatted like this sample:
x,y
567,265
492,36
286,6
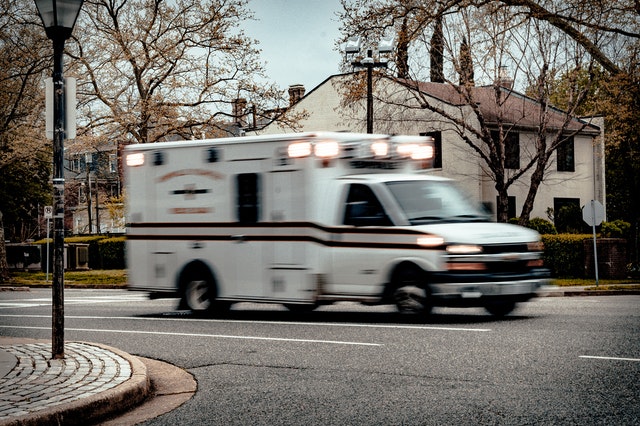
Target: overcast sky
x,y
297,39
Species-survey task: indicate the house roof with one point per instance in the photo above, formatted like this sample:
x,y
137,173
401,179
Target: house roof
x,y
513,108
517,109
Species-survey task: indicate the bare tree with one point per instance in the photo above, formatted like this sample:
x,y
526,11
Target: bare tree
x,y
24,154
499,38
155,69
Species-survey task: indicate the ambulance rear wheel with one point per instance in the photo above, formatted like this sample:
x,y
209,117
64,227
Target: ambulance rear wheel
x,y
198,288
197,295
409,292
300,308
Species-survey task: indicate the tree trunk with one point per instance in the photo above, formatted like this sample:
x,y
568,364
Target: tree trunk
x,y
502,207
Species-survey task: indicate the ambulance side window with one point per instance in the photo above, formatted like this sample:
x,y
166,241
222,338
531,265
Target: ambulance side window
x,y
363,208
248,197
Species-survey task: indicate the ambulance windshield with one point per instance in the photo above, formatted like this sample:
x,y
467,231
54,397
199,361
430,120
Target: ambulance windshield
x,y
435,201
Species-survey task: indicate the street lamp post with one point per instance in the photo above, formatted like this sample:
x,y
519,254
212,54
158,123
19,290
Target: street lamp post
x,y
58,18
385,47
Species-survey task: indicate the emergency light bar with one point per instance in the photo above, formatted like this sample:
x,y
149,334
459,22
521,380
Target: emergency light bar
x,y
135,159
394,147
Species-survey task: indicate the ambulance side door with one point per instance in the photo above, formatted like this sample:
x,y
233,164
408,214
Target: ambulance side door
x,y
358,257
246,249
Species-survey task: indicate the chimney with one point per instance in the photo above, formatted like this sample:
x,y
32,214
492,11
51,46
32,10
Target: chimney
x,y
296,92
239,111
503,78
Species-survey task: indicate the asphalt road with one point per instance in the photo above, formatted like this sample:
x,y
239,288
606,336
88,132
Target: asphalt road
x,y
556,360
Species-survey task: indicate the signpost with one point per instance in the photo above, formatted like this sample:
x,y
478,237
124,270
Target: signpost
x,y
593,215
48,214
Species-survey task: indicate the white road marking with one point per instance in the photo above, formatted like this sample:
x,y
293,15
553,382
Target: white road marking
x,y
321,324
610,358
218,336
39,302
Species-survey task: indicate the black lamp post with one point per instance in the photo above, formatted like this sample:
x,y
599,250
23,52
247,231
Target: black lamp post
x,y
58,18
385,46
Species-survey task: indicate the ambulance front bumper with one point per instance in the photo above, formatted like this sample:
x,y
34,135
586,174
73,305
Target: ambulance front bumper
x,y
482,287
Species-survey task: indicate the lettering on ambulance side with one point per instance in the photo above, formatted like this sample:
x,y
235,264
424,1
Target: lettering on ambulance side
x,y
191,172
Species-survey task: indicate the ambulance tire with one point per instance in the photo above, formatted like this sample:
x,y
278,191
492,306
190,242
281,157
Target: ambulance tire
x,y
409,290
300,308
198,290
501,308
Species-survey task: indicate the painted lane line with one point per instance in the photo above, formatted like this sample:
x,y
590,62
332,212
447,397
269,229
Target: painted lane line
x,y
217,336
610,358
321,324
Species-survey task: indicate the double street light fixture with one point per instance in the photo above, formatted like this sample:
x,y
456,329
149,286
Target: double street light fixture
x,y
58,18
375,58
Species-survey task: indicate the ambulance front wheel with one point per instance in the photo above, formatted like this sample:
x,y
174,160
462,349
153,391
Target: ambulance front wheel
x,y
409,290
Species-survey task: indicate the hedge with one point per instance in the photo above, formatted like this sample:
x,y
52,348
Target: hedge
x,y
104,252
564,254
112,252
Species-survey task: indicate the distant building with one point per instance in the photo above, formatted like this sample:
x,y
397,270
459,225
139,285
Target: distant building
x,y
92,178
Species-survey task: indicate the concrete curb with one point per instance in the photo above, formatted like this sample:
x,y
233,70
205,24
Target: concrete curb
x,y
93,408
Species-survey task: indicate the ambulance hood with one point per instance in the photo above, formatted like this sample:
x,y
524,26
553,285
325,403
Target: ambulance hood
x,y
480,233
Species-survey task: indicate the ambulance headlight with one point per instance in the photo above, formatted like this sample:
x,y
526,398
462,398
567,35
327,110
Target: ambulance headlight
x,y
327,149
430,241
135,159
464,249
299,150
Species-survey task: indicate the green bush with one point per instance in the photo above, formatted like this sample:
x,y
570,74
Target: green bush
x,y
616,229
564,254
112,252
543,226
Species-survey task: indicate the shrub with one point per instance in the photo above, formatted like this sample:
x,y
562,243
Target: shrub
x,y
564,254
616,229
541,225
112,252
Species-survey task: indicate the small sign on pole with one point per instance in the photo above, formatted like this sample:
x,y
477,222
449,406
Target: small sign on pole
x,y
593,215
48,214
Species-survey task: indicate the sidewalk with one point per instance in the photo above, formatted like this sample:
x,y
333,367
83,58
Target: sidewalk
x,y
92,382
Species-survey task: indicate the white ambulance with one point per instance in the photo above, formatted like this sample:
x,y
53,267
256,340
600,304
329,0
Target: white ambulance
x,y
307,219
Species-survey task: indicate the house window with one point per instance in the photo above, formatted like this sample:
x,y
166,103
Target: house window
x,y
248,197
565,154
511,148
567,214
437,145
113,163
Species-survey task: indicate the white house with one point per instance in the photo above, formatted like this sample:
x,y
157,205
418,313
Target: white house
x,y
575,173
